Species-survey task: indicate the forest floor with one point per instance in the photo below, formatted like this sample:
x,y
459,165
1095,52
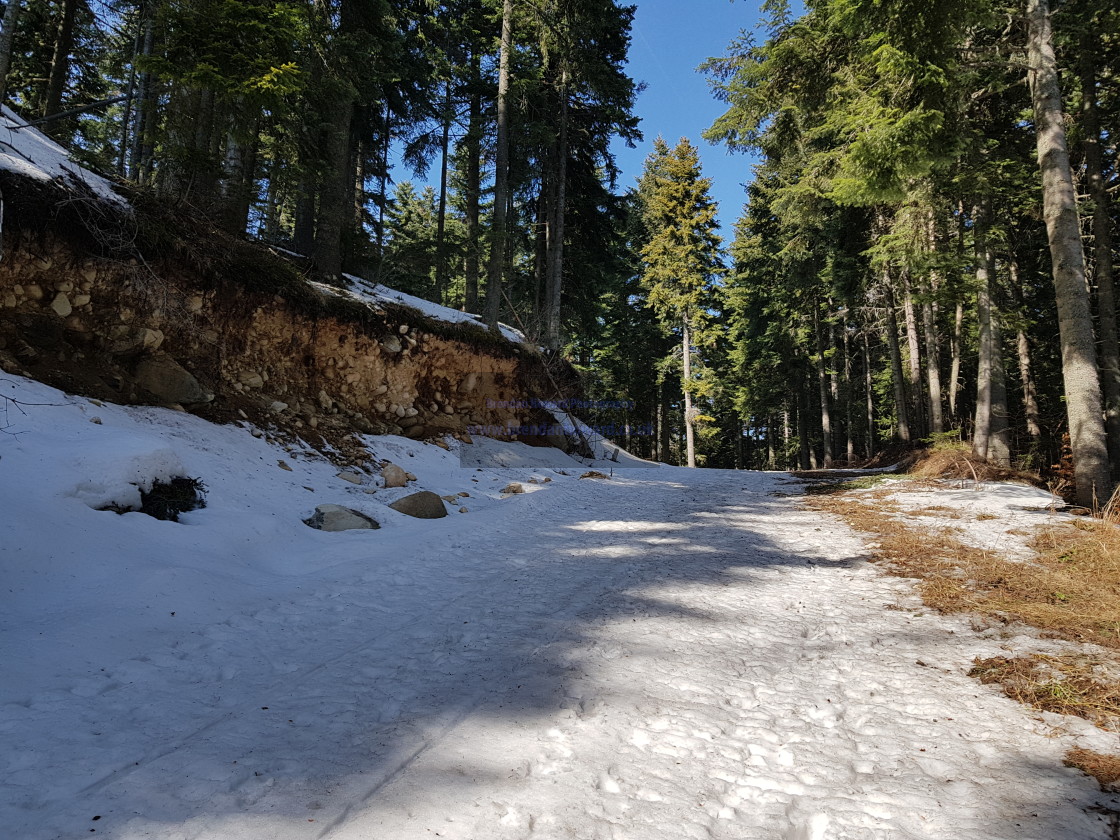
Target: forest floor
x,y
662,653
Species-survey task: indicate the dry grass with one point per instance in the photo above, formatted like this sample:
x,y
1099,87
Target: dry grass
x,y
1104,768
956,461
1071,591
1066,685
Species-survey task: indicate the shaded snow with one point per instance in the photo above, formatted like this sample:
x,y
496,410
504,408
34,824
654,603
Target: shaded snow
x,y
29,152
666,654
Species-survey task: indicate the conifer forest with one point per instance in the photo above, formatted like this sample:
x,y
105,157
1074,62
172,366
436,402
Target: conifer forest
x,y
926,248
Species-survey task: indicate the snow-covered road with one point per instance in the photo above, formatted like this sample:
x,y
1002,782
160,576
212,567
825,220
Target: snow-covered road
x,y
668,654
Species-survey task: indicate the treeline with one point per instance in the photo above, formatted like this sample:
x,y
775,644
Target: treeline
x,y
926,252
926,249
283,118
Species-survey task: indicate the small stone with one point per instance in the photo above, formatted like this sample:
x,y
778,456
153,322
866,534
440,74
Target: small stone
x,y
61,305
463,510
250,379
11,301
81,300
257,433
410,476
277,407
451,499
33,291
65,286
442,444
283,465
403,329
464,494
394,476
351,476
95,420
391,344
241,413
513,488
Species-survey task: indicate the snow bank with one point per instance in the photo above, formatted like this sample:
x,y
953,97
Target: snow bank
x,y
30,153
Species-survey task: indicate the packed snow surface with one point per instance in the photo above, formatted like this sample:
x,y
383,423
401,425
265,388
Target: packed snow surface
x,y
663,654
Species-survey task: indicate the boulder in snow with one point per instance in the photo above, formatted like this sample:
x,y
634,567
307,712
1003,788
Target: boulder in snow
x,y
422,505
339,518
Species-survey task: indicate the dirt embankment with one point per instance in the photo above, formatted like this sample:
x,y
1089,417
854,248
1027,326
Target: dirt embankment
x,y
153,306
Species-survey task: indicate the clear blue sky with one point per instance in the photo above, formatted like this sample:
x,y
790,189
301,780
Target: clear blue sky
x,y
671,38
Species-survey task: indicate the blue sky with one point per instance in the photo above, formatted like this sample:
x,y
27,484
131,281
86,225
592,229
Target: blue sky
x,y
671,38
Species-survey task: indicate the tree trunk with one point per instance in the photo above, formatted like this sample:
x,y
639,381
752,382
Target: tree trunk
x,y
441,218
990,432
496,266
933,368
897,376
143,133
664,435
955,366
1026,377
914,353
1075,322
870,393
473,189
686,382
11,19
1103,274
849,395
822,384
60,65
327,253
555,272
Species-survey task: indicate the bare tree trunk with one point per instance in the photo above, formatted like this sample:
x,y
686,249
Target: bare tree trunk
x,y
933,371
327,252
473,189
664,434
990,431
689,431
1075,321
11,19
849,395
60,63
822,383
869,387
441,218
914,354
142,138
501,176
1103,273
1026,377
897,376
806,458
555,272
955,366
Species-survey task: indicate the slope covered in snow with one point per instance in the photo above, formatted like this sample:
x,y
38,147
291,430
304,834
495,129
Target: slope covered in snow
x,y
29,152
663,654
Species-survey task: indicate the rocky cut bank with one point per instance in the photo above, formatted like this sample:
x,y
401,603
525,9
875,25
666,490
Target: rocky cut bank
x,y
136,302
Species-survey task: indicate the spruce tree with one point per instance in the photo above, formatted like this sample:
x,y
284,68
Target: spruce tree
x,y
681,260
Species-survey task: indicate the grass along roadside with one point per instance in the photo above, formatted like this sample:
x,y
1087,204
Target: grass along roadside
x,y
1069,589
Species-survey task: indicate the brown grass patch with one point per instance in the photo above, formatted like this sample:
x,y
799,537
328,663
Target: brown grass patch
x,y
1104,768
956,461
1072,590
1066,685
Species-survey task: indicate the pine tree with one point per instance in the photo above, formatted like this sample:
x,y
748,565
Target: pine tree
x,y
681,260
